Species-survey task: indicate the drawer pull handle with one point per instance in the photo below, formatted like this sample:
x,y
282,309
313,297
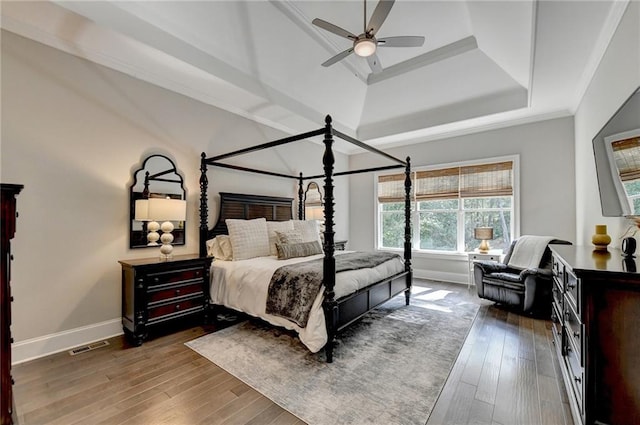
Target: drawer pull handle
x,y
572,285
577,379
177,292
177,306
569,348
156,280
576,334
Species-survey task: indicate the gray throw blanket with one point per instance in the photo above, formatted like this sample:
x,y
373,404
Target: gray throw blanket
x,y
294,288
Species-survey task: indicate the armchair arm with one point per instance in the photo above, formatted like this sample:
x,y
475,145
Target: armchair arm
x,y
489,266
543,273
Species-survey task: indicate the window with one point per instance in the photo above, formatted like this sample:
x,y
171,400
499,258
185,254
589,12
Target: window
x,y
447,204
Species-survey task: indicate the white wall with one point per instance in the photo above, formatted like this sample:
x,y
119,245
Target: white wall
x,y
547,199
617,76
73,132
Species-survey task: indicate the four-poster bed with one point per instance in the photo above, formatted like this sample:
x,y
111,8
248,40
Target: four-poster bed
x,y
342,310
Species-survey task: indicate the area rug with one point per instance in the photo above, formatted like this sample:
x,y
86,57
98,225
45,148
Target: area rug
x,y
388,368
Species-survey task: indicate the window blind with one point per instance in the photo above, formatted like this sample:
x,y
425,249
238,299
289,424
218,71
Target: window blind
x,y
391,188
486,180
438,184
494,179
626,154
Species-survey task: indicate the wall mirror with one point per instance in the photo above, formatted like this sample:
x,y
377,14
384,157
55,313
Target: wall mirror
x,y
617,154
313,202
156,178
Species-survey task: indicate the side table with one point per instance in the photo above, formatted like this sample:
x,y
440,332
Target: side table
x,y
493,255
155,292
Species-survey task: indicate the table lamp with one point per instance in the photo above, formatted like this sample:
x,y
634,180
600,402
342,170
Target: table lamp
x,y
483,234
152,227
167,210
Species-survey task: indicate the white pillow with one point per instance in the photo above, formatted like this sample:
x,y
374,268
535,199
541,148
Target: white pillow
x,y
226,250
212,246
272,228
309,229
220,248
249,238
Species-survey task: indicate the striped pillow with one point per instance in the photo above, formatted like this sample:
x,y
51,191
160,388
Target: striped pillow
x,y
294,250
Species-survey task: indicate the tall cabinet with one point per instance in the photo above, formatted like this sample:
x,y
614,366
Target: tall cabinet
x,y
7,231
596,331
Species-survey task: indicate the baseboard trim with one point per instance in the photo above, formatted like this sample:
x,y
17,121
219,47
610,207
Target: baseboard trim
x,y
42,346
462,278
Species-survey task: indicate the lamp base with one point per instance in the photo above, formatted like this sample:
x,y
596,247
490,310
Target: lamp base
x,y
484,247
166,249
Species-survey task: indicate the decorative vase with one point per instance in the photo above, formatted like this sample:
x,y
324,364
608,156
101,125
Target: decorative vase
x,y
600,239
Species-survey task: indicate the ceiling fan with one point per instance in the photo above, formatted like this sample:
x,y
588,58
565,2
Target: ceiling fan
x,y
365,44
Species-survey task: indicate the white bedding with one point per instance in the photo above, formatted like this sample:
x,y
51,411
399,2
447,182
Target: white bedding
x,y
243,286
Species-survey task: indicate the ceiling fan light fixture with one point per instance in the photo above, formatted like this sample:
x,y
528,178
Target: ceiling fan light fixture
x,y
365,47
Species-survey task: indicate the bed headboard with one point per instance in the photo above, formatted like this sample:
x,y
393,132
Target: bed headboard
x,y
243,206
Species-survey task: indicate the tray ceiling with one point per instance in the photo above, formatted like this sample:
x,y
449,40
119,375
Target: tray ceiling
x,y
483,63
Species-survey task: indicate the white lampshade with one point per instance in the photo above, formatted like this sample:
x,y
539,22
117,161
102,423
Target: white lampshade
x,y
167,209
141,210
314,213
365,47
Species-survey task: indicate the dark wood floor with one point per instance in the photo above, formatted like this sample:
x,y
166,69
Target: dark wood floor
x,y
506,374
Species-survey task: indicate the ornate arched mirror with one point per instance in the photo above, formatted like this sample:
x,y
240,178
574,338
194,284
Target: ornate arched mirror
x,y
156,178
313,202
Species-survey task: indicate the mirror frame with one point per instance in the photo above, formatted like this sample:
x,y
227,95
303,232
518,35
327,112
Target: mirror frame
x,y
311,187
158,176
610,202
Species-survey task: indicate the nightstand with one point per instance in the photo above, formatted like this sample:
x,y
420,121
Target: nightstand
x,y
492,255
157,292
340,245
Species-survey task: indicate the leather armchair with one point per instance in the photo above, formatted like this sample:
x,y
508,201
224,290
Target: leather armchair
x,y
529,290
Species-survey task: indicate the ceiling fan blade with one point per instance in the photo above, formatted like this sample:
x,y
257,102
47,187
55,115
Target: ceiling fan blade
x,y
379,15
374,63
402,41
334,29
338,57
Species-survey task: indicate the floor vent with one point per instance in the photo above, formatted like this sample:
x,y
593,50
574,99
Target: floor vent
x,y
89,347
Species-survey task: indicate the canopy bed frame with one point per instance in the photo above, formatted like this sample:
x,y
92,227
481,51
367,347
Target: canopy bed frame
x,y
339,313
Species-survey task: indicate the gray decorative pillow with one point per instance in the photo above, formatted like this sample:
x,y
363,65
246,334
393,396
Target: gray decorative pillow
x,y
301,249
288,236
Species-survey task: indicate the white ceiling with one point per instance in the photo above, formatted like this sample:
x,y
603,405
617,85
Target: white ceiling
x,y
484,64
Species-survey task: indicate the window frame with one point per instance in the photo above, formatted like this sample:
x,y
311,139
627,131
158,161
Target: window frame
x,y
415,249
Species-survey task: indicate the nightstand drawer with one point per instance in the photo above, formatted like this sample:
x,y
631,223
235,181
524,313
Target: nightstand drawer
x,y
169,311
167,292
175,276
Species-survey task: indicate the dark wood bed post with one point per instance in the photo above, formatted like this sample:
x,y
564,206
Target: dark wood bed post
x,y
204,209
300,198
329,264
407,229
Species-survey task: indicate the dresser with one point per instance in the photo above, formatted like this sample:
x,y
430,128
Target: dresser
x,y
7,232
157,292
596,333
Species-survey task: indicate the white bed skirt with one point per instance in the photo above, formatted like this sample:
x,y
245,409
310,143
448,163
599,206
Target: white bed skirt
x,y
243,286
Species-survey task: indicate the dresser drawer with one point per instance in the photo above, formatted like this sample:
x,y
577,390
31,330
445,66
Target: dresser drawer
x,y
167,292
170,310
556,292
573,291
556,328
574,332
174,276
576,375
